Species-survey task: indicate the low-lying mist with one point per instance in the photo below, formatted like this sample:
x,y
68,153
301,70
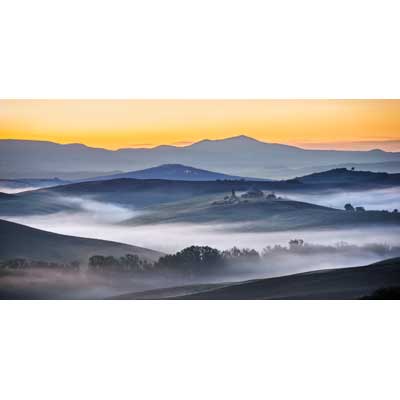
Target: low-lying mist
x,y
14,190
37,283
170,238
377,199
325,248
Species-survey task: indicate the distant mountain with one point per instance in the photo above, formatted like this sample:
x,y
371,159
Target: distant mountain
x,y
174,172
238,156
20,241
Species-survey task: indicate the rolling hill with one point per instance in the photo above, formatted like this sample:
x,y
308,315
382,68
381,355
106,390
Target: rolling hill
x,y
238,156
339,284
263,216
181,200
20,241
343,177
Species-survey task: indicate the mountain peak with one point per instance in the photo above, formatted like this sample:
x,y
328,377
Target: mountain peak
x,y
240,139
244,137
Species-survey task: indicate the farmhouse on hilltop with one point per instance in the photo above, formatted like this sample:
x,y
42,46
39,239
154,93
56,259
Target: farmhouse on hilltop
x,y
253,193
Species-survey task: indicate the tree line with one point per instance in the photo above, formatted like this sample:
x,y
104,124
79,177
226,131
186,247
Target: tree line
x,y
198,259
23,263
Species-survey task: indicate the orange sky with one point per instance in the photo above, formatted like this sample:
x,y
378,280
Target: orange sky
x,y
116,124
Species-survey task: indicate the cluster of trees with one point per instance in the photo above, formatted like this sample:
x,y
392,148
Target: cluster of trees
x,y
127,263
191,260
197,260
22,263
349,207
204,259
298,247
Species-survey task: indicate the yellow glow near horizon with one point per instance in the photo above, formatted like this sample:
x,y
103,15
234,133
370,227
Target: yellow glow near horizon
x,y
115,124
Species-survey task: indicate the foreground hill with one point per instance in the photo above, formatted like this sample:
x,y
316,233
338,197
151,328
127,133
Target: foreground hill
x,y
173,172
344,283
240,155
20,241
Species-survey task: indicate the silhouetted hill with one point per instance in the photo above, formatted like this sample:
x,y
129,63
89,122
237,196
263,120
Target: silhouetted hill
x,y
6,196
20,241
345,177
174,172
239,156
344,283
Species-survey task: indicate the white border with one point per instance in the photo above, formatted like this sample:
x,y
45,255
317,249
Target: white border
x,y
199,350
192,49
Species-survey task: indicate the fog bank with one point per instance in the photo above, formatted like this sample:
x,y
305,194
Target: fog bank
x,y
378,199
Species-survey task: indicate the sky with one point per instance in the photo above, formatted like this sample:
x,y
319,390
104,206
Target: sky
x,y
114,124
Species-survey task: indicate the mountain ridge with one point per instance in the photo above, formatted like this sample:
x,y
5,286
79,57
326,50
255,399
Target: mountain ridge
x,y
238,156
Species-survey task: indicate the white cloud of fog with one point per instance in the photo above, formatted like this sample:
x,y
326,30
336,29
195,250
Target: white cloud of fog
x,y
10,190
173,237
378,199
93,212
100,221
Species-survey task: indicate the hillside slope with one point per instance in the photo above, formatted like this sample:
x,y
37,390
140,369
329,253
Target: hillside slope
x,y
344,283
20,241
263,215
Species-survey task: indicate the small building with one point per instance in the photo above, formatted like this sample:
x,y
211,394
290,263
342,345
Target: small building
x,y
253,194
232,199
360,209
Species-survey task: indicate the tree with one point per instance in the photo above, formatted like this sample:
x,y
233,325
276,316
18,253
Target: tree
x,y
296,243
348,207
130,262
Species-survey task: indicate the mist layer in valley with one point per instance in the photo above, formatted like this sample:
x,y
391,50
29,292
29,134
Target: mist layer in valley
x,y
377,199
297,231
327,248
